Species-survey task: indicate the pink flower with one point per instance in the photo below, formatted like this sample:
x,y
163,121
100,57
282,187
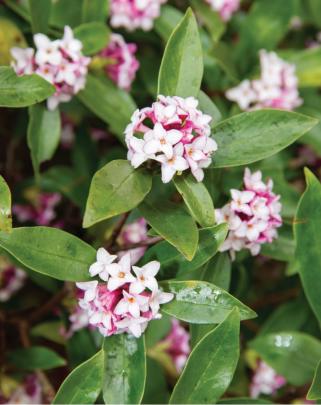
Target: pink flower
x,y
127,302
225,8
173,132
41,212
277,86
133,14
122,64
60,62
265,381
252,216
178,345
12,280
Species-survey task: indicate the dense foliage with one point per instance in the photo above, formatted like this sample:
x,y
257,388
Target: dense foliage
x,y
160,201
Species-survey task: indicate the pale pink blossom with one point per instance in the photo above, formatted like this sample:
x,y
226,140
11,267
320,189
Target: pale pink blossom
x,y
225,8
60,62
178,345
12,279
134,14
265,381
253,215
122,63
135,232
277,86
173,132
29,391
100,267
128,301
41,211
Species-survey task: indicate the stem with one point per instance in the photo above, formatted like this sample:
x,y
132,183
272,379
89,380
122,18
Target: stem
x,y
117,230
148,242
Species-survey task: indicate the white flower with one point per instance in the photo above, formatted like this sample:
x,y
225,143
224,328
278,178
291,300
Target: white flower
x,y
23,58
100,267
71,45
157,298
120,273
240,200
136,153
132,304
243,94
251,229
135,326
47,50
175,164
253,181
145,277
160,140
90,289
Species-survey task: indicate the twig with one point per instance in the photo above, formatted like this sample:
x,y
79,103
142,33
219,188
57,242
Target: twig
x,y
147,242
117,230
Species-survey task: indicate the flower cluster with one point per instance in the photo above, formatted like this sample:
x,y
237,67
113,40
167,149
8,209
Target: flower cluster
x,y
265,381
133,14
29,391
60,62
174,133
123,302
41,211
11,280
277,86
178,345
252,216
135,232
225,8
122,63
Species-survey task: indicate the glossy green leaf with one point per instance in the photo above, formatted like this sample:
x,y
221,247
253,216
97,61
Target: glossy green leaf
x,y
207,106
94,10
197,199
83,384
50,330
297,349
50,251
201,302
211,365
308,238
313,7
173,262
315,389
36,357
115,189
43,134
281,248
308,66
103,98
181,69
174,224
255,135
5,206
22,91
93,35
39,13
125,369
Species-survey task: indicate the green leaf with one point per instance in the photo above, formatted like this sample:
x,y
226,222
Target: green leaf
x,y
167,21
211,365
5,206
315,389
255,135
83,384
115,189
298,349
40,13
94,10
244,400
36,357
43,134
50,330
93,35
210,18
308,66
50,251
111,104
197,199
201,302
22,91
172,261
314,11
181,69
173,223
125,369
207,106
281,248
307,235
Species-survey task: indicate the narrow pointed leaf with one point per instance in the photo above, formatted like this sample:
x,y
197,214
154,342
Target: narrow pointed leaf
x,y
39,13
211,365
201,302
83,384
125,369
50,251
315,389
35,357
93,35
5,206
115,189
181,69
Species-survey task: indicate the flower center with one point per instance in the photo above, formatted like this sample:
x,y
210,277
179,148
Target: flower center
x,y
131,300
121,274
142,278
162,141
